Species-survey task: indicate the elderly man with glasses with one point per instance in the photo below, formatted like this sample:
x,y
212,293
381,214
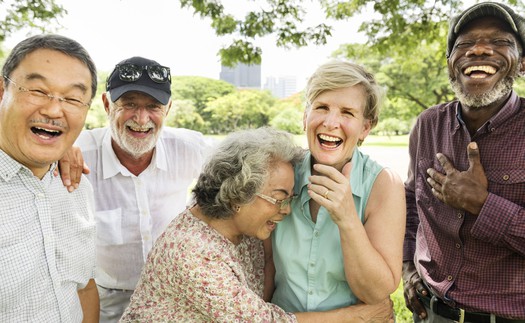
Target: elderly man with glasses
x,y
47,235
140,172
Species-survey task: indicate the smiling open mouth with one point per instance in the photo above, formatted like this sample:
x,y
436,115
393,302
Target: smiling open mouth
x,y
480,71
329,141
139,129
45,133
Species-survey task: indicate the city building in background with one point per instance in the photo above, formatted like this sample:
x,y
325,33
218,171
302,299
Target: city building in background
x,y
242,76
281,87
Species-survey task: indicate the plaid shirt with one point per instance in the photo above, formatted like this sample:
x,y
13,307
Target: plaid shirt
x,y
473,262
47,245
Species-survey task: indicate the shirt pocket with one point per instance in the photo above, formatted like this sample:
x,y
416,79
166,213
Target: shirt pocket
x,y
109,227
508,182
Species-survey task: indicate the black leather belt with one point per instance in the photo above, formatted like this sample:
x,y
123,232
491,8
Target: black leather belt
x,y
437,306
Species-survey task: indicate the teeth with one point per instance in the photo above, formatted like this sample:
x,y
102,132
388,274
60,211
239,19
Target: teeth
x,y
486,69
139,129
329,138
47,130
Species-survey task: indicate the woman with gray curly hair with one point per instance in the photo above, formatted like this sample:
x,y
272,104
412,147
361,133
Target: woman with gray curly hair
x,y
209,265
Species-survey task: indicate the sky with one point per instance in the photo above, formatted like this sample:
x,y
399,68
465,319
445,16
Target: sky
x,y
112,30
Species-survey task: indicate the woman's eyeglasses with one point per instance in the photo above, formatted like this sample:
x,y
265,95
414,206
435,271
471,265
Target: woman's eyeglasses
x,y
132,72
281,203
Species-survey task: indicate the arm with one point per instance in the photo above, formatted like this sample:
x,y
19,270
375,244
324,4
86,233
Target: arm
x,y
269,270
225,297
381,312
71,167
372,252
468,191
90,303
411,278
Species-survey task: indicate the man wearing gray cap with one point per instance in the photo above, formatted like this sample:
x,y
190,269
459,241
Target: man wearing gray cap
x,y
140,172
464,253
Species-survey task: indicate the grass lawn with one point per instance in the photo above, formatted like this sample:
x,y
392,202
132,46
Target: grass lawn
x,y
403,315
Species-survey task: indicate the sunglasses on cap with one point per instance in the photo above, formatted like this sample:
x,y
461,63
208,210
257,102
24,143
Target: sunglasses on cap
x,y
131,72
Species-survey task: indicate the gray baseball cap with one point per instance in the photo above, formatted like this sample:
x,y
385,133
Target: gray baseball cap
x,y
486,9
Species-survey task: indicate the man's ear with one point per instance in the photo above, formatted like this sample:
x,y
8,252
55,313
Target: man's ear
x,y
522,66
105,101
2,87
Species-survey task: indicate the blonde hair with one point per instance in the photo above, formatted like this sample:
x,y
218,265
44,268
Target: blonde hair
x,y
337,74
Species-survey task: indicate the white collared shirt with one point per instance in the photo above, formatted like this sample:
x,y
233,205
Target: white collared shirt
x,y
47,245
133,211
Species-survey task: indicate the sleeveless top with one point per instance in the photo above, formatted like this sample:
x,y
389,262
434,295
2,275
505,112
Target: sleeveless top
x,y
308,257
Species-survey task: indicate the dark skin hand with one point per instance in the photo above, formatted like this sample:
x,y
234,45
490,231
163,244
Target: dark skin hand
x,y
466,190
412,283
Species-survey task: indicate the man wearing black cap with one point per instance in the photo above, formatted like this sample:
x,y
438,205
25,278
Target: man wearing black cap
x,y
464,254
140,172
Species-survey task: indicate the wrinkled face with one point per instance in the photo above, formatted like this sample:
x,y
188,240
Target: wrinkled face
x,y
484,62
259,218
34,132
136,121
334,123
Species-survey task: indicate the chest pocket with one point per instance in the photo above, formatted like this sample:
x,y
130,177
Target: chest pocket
x,y
509,183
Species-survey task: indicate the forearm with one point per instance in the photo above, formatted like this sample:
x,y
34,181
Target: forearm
x,y
367,272
507,230
381,312
90,302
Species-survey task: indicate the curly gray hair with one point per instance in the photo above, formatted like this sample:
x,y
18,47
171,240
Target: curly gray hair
x,y
240,166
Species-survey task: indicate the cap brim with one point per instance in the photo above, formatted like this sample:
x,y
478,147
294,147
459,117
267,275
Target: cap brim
x,y
159,95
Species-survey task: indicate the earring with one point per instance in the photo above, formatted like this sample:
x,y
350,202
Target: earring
x,y
237,208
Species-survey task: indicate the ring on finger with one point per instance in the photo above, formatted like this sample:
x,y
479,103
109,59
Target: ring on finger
x,y
325,195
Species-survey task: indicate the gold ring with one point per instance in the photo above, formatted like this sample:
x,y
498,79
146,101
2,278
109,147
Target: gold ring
x,y
326,194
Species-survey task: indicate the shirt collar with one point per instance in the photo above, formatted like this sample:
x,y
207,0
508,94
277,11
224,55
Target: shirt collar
x,y
111,165
9,167
510,108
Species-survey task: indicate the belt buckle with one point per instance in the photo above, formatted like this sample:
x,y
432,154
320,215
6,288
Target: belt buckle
x,y
461,316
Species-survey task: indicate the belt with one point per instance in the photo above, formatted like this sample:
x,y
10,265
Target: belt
x,y
440,308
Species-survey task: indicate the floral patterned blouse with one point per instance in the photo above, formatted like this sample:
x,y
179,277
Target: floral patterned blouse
x,y
195,274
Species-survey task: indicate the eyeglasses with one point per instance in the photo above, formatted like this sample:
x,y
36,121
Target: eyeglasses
x,y
132,106
132,72
40,97
282,203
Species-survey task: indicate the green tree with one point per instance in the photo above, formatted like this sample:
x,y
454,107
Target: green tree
x,y
199,90
241,109
183,114
402,24
35,14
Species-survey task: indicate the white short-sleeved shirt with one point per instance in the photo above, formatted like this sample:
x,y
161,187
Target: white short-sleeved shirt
x,y
132,211
47,245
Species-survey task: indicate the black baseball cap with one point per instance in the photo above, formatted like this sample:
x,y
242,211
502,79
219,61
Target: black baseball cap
x,y
486,9
142,75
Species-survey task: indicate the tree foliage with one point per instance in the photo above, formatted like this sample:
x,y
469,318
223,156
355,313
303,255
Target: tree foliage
x,y
400,24
35,14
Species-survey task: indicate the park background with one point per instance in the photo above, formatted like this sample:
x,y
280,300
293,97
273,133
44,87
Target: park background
x,y
402,42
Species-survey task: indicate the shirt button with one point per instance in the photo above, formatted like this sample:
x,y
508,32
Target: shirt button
x,y
506,177
449,277
312,264
310,292
492,129
460,215
316,233
458,246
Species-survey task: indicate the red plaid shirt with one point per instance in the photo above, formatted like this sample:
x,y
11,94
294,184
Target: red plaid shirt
x,y
473,262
